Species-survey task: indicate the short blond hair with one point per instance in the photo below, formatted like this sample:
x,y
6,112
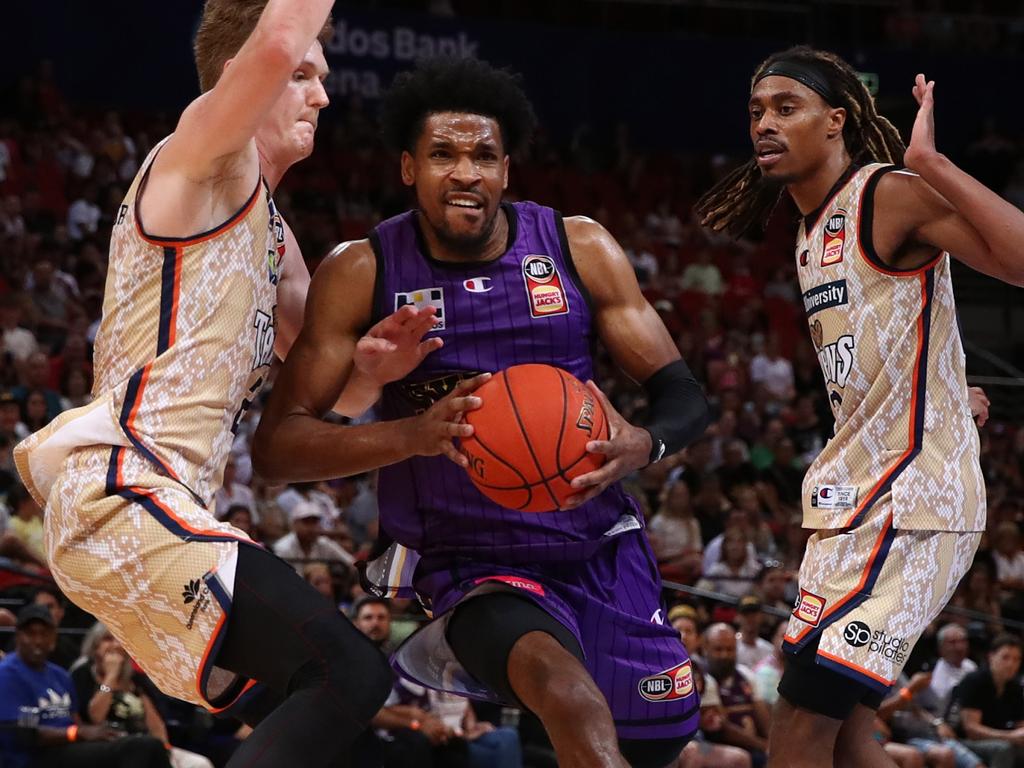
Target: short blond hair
x,y
223,30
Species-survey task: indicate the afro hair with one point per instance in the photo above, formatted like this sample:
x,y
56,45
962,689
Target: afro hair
x,y
456,85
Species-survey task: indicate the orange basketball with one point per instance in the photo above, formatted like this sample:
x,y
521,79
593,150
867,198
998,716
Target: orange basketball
x,y
531,436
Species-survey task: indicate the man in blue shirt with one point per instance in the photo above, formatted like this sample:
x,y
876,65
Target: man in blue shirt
x,y
33,689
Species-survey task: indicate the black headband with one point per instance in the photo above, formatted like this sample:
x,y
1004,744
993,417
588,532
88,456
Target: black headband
x,y
806,73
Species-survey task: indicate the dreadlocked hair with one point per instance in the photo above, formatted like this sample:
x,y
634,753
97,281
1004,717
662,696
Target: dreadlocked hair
x,y
745,198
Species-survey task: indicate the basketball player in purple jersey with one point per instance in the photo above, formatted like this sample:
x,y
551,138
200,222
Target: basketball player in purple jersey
x,y
559,612
204,274
896,497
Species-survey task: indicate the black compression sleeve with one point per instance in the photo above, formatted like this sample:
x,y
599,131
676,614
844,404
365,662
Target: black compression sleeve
x,y
679,411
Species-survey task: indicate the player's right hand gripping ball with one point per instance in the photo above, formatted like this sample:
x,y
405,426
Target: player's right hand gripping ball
x,y
530,437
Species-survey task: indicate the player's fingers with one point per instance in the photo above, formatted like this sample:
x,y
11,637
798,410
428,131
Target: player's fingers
x,y
449,450
468,385
422,322
400,317
581,498
457,429
597,477
601,446
466,403
371,344
428,346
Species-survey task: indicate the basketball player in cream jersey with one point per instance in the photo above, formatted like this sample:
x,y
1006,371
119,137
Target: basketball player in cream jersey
x,y
205,284
896,498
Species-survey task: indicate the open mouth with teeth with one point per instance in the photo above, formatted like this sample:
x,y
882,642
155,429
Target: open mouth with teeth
x,y
465,203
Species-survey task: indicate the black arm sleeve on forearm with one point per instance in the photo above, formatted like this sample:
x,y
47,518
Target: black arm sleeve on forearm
x,y
679,411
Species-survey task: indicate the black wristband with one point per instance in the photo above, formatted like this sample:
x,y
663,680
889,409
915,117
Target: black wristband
x,y
679,411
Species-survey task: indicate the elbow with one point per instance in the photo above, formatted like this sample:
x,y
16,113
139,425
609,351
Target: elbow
x,y
264,460
278,48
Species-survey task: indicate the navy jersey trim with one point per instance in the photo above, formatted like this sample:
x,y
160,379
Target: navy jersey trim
x,y
472,265
379,308
812,218
865,231
570,263
854,599
217,230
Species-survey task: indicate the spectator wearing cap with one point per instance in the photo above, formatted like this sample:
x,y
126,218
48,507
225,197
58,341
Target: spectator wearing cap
x,y
751,648
66,650
306,542
40,697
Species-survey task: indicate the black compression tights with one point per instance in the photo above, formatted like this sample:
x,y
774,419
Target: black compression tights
x,y
326,680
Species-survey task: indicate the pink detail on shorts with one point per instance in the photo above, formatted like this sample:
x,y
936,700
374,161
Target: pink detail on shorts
x,y
515,581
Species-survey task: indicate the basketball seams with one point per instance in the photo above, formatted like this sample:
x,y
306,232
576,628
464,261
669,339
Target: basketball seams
x,y
526,437
559,471
526,485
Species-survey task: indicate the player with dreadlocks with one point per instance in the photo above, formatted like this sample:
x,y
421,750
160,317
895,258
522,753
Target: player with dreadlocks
x,y
896,498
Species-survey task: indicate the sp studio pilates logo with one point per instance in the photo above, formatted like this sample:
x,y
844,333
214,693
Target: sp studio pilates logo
x,y
198,594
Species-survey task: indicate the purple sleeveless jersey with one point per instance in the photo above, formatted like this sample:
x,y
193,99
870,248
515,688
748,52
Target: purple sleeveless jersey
x,y
527,306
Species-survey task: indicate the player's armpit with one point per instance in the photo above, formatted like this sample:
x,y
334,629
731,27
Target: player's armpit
x,y
957,214
626,323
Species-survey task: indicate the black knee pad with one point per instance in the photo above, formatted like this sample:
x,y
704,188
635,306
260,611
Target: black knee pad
x,y
351,665
652,753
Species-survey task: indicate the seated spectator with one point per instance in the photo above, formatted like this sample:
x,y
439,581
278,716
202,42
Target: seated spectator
x,y
19,342
310,493
37,377
372,617
772,583
768,671
240,516
319,577
990,704
110,691
747,716
306,542
1009,561
703,276
233,493
977,592
702,751
912,725
40,696
952,666
785,472
736,469
675,533
774,372
66,650
26,522
34,413
751,648
735,573
683,619
739,519
11,426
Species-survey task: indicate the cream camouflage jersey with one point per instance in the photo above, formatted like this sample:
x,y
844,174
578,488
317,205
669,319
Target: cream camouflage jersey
x,y
185,344
890,351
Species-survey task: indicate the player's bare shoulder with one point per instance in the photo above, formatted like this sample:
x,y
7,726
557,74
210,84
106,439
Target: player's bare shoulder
x,y
599,259
343,284
348,261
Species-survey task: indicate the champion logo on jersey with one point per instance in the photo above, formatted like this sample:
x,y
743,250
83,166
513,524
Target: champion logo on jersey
x,y
425,297
478,284
544,287
835,238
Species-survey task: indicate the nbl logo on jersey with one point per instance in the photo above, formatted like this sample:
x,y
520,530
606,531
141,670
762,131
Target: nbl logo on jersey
x,y
835,238
671,685
544,287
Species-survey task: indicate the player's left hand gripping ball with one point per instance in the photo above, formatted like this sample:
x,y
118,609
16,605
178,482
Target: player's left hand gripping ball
x,y
393,348
627,448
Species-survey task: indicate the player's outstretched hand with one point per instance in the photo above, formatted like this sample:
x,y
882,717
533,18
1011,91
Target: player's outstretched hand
x,y
922,150
392,348
434,430
627,448
979,403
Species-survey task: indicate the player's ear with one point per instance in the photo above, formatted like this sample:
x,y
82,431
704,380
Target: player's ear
x,y
504,180
408,169
836,121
